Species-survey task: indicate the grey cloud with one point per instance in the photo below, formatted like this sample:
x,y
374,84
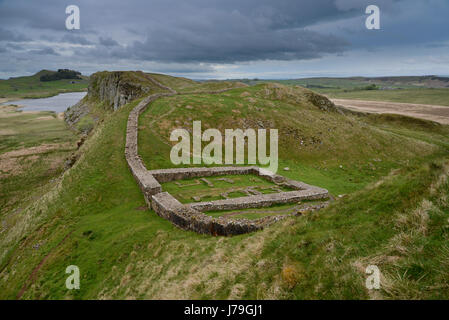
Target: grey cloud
x,y
76,39
346,5
8,35
14,46
184,68
44,51
108,42
189,36
225,47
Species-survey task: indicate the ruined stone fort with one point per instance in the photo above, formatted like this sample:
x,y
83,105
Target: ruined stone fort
x,y
190,216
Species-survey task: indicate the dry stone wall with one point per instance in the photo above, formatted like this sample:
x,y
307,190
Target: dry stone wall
x,y
190,217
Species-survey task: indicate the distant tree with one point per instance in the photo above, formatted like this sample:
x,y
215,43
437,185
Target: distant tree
x,y
61,74
371,87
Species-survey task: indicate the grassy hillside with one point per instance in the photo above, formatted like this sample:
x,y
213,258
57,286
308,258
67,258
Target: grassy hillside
x,y
32,87
338,152
394,214
421,96
422,90
352,83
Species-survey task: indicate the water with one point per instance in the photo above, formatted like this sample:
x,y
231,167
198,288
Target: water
x,y
58,103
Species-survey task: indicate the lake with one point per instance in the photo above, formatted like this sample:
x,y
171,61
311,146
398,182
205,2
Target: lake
x,y
58,103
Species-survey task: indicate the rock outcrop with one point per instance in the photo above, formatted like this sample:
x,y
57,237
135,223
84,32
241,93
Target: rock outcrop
x,y
112,90
116,89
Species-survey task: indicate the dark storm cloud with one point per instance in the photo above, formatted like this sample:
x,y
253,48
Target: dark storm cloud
x,y
201,33
198,30
236,47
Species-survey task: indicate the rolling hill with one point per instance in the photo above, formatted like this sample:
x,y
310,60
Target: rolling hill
x,y
387,173
33,87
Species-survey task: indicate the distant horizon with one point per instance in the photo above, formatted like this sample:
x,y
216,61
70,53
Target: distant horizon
x,y
247,78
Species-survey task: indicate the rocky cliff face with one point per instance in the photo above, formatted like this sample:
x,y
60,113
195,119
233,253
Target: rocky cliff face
x,y
111,90
117,88
74,114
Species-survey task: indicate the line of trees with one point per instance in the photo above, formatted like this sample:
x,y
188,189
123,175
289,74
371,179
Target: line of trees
x,y
61,74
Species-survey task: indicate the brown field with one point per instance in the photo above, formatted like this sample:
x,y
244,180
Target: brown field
x,y
424,111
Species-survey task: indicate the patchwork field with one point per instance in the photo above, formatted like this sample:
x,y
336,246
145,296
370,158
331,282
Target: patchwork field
x,y
33,150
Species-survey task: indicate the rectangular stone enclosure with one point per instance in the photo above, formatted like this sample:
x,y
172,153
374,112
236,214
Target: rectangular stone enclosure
x,y
190,216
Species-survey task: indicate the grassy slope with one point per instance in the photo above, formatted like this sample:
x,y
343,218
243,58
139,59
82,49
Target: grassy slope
x,y
313,144
411,90
94,220
32,87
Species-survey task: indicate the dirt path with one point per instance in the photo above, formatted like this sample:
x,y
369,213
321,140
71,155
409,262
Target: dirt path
x,y
424,111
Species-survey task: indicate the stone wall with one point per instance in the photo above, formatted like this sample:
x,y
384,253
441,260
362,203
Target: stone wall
x,y
258,201
148,184
167,207
190,217
166,175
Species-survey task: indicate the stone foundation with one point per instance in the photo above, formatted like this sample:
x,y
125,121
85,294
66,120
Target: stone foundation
x,y
190,216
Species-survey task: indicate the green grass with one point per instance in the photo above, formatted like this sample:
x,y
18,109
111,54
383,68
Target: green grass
x,y
420,96
373,226
23,129
191,188
405,89
319,148
255,213
32,87
28,173
395,214
184,85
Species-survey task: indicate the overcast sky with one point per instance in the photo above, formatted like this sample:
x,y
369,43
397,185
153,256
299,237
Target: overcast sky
x,y
221,39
